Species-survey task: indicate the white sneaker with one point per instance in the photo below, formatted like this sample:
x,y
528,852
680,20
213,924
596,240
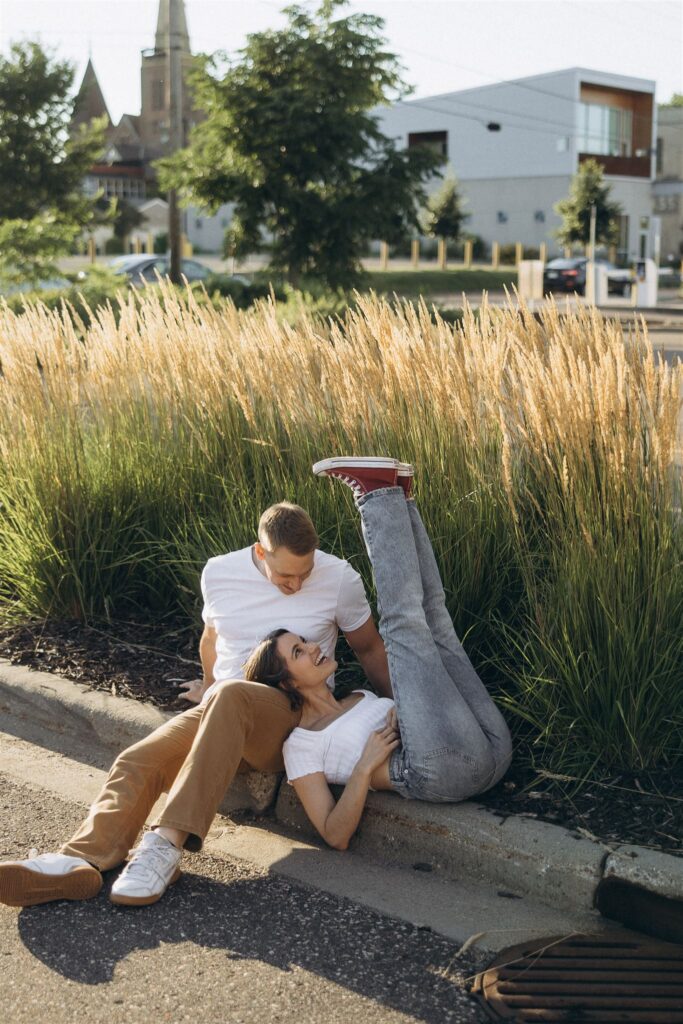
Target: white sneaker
x,y
45,877
153,866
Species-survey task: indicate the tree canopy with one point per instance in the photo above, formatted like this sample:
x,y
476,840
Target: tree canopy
x,y
41,166
588,189
444,215
291,139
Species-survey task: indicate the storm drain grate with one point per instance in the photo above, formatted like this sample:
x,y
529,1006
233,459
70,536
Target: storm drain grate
x,y
585,978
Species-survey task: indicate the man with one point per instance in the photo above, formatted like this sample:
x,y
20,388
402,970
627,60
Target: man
x,y
282,580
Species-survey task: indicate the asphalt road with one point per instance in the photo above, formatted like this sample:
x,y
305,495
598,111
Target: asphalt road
x,y
229,944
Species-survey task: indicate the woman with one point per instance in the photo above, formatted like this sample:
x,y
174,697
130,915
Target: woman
x,y
441,738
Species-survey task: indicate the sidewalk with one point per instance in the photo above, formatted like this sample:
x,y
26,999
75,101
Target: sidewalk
x,y
517,857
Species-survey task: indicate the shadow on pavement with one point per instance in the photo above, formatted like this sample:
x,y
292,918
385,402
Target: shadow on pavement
x,y
395,963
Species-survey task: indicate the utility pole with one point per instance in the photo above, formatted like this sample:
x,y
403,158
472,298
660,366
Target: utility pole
x,y
175,108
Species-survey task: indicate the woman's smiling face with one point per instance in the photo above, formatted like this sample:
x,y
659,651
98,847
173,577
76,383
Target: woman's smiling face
x,y
306,664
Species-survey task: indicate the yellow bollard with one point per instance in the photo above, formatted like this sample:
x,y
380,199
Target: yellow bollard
x,y
415,253
612,254
543,252
187,247
441,253
150,243
137,245
92,250
519,252
567,252
495,255
467,256
383,256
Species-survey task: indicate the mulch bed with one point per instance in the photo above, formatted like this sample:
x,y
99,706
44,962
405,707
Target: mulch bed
x,y
148,663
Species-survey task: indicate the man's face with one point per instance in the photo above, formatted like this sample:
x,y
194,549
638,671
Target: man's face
x,y
285,570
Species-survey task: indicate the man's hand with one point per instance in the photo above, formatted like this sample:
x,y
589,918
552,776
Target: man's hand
x,y
194,690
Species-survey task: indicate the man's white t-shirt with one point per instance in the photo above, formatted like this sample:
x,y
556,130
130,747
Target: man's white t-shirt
x,y
243,606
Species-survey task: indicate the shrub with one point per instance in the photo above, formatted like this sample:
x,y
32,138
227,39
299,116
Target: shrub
x,y
113,246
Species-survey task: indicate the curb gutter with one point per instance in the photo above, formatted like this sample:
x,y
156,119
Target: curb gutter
x,y
523,856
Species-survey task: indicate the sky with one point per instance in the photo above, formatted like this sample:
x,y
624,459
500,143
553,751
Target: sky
x,y
444,45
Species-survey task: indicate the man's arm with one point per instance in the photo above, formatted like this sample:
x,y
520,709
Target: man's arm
x,y
195,690
367,645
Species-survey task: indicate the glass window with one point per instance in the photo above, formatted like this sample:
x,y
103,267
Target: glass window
x,y
605,131
158,97
437,141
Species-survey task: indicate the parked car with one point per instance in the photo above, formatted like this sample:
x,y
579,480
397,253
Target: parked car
x,y
143,269
569,275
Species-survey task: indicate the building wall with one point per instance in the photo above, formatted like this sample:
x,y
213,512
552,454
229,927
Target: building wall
x,y
667,190
490,199
536,137
206,232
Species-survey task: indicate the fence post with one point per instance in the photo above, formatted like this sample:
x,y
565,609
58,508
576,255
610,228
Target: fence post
x,y
543,252
383,255
519,252
137,245
150,243
441,253
612,254
415,253
92,249
467,256
567,252
495,255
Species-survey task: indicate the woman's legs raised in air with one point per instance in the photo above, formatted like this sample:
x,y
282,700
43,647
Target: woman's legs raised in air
x,y
445,755
453,655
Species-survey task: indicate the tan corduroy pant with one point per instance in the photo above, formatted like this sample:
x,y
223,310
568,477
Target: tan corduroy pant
x,y
193,758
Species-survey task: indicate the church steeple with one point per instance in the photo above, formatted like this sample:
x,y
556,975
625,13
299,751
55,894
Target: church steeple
x,y
89,102
163,21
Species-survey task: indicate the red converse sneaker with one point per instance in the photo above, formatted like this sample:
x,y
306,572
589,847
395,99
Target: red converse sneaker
x,y
362,474
404,477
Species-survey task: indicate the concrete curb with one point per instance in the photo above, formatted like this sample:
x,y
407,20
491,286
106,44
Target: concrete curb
x,y
521,855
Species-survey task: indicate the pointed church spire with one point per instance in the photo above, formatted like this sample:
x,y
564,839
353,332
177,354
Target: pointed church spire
x,y
163,21
89,102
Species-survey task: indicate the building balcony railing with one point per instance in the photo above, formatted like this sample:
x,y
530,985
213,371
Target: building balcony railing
x,y
628,166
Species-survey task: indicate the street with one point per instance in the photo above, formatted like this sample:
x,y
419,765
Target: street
x,y
229,943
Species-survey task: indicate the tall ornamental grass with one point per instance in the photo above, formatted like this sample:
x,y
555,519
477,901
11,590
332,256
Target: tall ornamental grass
x,y
136,447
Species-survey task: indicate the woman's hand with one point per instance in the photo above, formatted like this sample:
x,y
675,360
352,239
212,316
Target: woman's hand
x,y
392,719
378,748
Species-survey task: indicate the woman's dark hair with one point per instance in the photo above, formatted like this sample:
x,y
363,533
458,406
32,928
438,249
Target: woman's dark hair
x,y
266,665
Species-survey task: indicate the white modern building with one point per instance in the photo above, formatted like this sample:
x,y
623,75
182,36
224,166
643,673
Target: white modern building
x,y
514,147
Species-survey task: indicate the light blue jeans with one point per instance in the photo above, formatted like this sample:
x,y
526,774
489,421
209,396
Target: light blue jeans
x,y
454,740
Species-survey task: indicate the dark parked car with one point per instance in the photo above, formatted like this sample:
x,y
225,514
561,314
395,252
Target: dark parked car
x,y
569,275
143,269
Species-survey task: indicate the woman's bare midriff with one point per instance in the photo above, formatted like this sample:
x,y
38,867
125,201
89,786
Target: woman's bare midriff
x,y
380,777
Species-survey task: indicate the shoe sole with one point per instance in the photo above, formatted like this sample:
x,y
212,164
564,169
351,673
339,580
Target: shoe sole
x,y
141,901
21,887
349,462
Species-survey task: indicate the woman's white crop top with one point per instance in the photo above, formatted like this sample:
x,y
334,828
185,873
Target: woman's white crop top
x,y
336,749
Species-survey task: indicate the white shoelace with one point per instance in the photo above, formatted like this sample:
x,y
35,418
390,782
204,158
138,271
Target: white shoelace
x,y
358,491
149,862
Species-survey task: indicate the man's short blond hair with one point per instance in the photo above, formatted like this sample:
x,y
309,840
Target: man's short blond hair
x,y
287,526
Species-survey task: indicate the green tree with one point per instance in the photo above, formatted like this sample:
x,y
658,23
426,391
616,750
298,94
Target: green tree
x,y
42,207
444,215
126,218
588,189
675,101
290,138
